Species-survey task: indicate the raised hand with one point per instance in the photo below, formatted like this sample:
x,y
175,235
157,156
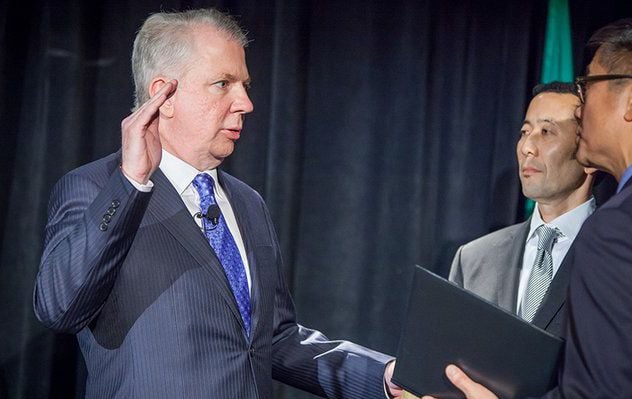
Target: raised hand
x,y
141,148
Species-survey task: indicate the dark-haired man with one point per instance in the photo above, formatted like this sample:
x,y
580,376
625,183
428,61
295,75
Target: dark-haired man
x,y
598,340
506,267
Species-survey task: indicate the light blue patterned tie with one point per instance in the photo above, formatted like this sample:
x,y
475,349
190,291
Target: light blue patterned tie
x,y
223,244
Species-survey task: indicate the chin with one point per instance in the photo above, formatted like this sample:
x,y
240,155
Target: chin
x,y
223,153
582,157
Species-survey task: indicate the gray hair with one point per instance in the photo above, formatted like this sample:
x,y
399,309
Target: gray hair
x,y
163,42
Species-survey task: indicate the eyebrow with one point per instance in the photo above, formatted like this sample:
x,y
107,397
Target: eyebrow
x,y
548,120
233,78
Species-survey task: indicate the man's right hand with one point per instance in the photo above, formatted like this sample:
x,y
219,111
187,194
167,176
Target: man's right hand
x,y
141,148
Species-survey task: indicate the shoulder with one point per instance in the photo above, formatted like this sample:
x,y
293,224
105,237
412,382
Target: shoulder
x,y
97,172
611,219
239,189
83,183
603,245
498,237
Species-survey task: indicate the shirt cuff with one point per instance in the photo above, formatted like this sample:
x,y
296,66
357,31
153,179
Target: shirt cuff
x,y
145,188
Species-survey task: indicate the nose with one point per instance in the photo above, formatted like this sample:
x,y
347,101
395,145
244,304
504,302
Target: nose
x,y
241,103
527,145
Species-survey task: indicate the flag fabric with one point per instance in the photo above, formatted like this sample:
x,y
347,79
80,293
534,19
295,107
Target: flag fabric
x,y
557,63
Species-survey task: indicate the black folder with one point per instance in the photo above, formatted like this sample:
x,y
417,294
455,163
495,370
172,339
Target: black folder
x,y
447,324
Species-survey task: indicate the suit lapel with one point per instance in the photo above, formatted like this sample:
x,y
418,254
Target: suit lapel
x,y
507,297
239,208
167,206
556,294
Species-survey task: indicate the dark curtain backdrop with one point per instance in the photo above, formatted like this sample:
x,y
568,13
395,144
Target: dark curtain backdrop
x,y
383,136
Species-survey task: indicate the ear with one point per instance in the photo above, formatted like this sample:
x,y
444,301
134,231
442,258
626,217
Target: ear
x,y
167,108
628,104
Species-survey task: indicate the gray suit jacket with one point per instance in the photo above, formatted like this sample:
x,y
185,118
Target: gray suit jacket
x,y
133,276
490,267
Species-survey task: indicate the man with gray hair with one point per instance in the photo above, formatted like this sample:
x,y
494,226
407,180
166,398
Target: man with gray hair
x,y
167,268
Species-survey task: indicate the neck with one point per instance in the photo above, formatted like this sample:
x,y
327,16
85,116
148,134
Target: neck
x,y
201,162
626,162
552,209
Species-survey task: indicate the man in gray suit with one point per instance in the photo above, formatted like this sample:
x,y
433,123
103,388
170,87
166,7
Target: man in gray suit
x,y
167,268
500,266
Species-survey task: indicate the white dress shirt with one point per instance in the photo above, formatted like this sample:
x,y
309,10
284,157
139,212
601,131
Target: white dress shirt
x,y
180,174
568,224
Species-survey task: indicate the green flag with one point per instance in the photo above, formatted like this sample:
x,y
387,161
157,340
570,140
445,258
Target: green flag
x,y
557,60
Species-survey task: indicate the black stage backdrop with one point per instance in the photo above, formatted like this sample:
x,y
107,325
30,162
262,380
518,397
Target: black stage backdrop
x,y
383,136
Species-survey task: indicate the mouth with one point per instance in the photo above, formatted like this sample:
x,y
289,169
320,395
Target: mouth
x,y
530,171
232,133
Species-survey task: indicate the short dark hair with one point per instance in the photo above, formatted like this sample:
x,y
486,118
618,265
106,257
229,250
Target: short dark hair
x,y
614,42
554,87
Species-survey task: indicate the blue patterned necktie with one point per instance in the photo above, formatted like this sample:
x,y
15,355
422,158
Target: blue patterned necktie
x,y
541,273
223,244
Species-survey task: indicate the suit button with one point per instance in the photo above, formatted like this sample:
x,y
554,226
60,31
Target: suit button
x,y
107,218
116,203
103,226
251,352
111,211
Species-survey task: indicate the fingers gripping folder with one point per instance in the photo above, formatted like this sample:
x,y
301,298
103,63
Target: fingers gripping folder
x,y
446,324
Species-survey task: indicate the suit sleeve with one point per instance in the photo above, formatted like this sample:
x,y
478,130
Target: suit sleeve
x,y
307,359
599,344
456,270
89,231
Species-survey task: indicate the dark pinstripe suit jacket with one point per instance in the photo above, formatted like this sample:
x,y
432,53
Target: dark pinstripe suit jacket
x,y
132,275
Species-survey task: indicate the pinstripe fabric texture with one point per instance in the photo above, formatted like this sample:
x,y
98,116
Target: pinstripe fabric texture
x,y
153,311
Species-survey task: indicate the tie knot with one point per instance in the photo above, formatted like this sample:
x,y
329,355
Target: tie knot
x,y
203,183
546,237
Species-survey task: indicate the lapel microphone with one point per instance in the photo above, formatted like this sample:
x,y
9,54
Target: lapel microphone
x,y
212,214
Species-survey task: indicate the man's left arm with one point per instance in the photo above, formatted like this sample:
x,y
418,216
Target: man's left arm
x,y
307,359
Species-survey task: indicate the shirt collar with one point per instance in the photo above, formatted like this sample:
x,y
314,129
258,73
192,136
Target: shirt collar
x,y
568,223
180,173
627,174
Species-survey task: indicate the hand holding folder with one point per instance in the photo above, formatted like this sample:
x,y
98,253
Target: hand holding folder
x,y
446,324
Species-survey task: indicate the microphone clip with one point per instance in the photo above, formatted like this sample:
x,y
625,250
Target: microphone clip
x,y
212,215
